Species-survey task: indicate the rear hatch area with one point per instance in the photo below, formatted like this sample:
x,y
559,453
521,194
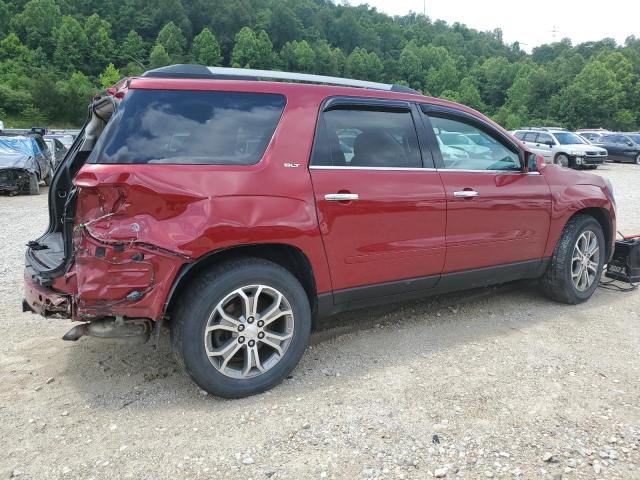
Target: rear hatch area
x,y
48,256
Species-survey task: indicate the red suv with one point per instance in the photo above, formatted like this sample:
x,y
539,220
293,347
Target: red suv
x,y
240,211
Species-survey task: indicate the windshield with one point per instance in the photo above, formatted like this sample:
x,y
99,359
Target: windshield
x,y
16,146
635,137
568,138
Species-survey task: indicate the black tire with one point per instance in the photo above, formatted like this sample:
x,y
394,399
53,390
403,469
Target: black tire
x,y
49,176
556,282
638,159
562,160
190,317
34,185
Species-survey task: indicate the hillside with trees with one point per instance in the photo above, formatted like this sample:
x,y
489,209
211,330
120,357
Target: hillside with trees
x,y
56,54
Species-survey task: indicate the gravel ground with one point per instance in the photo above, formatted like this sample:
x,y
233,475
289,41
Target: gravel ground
x,y
494,383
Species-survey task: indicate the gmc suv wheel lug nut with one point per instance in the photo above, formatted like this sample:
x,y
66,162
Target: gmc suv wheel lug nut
x,y
250,319
240,339
240,328
261,335
260,323
251,343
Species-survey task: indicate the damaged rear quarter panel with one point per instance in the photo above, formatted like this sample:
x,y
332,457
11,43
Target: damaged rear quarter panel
x,y
136,225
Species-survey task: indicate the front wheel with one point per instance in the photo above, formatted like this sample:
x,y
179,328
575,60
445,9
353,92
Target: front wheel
x,y
33,186
242,327
562,160
638,159
577,262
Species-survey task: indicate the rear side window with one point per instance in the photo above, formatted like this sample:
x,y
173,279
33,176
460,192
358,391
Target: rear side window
x,y
519,135
368,138
530,137
190,127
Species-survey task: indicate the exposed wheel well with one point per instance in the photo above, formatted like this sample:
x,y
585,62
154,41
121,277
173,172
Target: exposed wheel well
x,y
287,256
604,219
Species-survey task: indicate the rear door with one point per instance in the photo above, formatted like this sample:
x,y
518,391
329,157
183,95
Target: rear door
x,y
497,215
381,206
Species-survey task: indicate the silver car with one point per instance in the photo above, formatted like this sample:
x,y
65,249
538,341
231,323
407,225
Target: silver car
x,y
562,147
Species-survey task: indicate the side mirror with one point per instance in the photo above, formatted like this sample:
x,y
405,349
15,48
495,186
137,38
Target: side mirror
x,y
535,163
630,143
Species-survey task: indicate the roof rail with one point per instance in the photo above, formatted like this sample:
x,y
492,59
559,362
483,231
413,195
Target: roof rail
x,y
225,73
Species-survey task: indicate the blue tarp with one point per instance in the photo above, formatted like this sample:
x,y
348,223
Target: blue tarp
x,y
17,146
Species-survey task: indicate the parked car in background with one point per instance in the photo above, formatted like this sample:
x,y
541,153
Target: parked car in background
x,y
226,206
57,149
1,126
622,147
25,161
592,135
65,138
562,147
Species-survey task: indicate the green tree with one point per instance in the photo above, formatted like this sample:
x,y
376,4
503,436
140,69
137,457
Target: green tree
x,y
36,24
252,51
363,65
133,48
159,57
329,61
101,47
5,16
71,44
75,95
173,41
284,25
298,56
593,98
109,77
206,49
12,48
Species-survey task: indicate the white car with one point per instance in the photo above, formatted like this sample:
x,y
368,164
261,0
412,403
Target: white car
x,y
562,147
461,141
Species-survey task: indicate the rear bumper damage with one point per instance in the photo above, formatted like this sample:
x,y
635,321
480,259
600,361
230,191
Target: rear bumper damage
x,y
43,300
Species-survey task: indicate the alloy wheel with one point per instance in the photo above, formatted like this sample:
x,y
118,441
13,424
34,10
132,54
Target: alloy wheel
x,y
585,261
249,331
563,161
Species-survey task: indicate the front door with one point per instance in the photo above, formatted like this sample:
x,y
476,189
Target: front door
x,y
497,214
381,212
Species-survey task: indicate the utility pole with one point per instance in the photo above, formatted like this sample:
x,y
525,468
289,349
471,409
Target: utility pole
x,y
554,32
424,7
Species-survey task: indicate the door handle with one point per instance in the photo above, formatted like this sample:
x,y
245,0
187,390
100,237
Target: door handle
x,y
341,197
466,194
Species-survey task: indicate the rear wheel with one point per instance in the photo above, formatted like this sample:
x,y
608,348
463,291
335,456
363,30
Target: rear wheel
x,y
562,160
638,159
577,262
242,327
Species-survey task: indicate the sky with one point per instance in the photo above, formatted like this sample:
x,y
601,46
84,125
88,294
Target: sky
x,y
531,23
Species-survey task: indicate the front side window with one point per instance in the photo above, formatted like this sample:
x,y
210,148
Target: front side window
x,y
466,147
368,138
530,136
190,127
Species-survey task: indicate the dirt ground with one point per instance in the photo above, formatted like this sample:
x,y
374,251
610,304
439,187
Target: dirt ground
x,y
495,383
